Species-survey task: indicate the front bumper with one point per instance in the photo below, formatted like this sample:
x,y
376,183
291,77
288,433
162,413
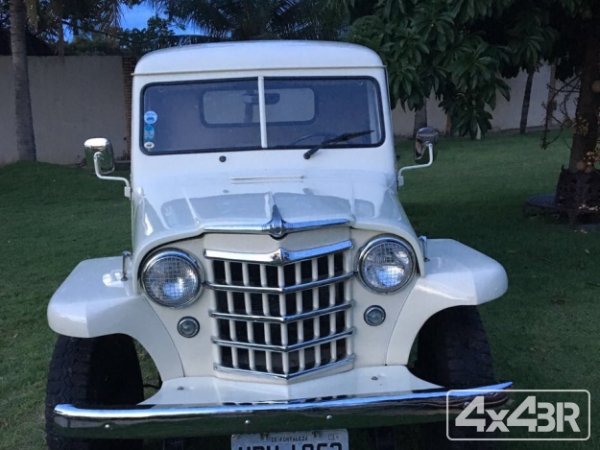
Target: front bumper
x,y
147,421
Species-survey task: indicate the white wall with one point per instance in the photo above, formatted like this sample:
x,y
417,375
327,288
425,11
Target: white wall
x,y
73,98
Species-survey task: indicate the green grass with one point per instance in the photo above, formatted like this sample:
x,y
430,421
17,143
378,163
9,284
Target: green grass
x,y
543,332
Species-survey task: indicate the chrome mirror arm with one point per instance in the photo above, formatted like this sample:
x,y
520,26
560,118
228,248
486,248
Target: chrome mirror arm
x,y
400,179
97,158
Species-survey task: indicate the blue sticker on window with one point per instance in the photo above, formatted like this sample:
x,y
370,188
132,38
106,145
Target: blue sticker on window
x,y
148,133
150,117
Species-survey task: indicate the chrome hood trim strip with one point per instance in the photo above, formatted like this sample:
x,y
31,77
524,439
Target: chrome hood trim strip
x,y
279,258
277,227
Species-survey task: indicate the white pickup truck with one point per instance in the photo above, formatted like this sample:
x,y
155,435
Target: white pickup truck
x,y
274,279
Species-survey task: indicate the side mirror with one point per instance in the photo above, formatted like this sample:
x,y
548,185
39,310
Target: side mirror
x,y
425,152
106,157
100,151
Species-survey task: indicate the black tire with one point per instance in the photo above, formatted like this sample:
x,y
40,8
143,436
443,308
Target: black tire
x,y
453,352
177,444
383,438
101,371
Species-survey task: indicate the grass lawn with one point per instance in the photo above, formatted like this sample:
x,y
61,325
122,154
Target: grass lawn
x,y
544,332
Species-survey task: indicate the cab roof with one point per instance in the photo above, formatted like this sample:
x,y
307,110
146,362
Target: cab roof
x,y
257,55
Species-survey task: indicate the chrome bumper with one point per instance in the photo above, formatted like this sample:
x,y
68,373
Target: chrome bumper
x,y
296,415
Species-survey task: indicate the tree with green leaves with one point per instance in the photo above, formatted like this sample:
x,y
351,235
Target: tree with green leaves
x,y
524,30
50,18
258,19
158,33
567,34
435,47
456,50
577,53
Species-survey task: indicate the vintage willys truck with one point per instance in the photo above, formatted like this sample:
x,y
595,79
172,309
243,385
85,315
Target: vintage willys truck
x,y
275,279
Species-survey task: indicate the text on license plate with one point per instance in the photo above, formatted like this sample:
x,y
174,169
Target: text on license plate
x,y
297,440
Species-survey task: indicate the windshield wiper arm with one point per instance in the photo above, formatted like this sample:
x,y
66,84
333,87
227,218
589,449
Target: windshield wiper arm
x,y
336,140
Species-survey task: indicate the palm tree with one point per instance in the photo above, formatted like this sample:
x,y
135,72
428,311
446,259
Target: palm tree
x,y
50,18
258,19
23,116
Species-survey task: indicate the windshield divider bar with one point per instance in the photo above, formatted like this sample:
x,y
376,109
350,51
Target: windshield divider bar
x,y
262,112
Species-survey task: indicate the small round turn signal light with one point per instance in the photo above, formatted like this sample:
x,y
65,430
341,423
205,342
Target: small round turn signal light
x,y
188,327
374,315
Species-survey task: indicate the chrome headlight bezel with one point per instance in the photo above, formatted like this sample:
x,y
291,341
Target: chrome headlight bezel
x,y
153,259
373,243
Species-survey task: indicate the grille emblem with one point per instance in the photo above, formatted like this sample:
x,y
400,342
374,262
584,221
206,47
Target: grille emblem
x,y
277,227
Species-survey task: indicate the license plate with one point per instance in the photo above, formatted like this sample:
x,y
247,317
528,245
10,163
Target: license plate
x,y
297,440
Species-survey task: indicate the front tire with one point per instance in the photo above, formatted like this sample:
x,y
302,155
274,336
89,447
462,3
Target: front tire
x,y
101,371
453,352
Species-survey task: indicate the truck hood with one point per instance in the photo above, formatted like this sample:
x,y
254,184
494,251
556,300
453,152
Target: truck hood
x,y
169,210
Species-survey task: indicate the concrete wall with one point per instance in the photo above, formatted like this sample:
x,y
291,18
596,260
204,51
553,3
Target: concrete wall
x,y
507,115
78,97
73,98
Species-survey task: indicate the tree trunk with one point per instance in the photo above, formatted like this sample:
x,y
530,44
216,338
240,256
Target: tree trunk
x,y
60,27
526,101
23,116
585,138
420,118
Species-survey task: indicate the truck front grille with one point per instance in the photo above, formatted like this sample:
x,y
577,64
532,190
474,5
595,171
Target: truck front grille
x,y
286,317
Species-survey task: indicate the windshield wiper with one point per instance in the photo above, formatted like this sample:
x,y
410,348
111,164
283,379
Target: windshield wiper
x,y
336,140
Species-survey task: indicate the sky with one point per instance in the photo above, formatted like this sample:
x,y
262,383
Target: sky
x,y
137,16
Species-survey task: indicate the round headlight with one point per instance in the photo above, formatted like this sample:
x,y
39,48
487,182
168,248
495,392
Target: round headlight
x,y
386,265
171,278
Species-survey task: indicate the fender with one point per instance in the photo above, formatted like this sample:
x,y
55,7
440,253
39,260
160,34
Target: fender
x,y
93,301
456,275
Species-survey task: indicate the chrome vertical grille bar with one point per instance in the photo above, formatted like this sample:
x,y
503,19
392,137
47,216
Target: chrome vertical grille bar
x,y
283,327
316,320
347,316
231,309
300,309
215,332
266,312
332,324
248,309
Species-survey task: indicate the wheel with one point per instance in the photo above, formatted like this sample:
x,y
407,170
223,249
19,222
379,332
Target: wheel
x,y
453,352
100,371
176,444
383,438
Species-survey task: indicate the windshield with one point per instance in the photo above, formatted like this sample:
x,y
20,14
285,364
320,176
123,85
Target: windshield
x,y
259,113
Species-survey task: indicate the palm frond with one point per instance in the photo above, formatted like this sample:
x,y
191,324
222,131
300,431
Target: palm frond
x,y
258,19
